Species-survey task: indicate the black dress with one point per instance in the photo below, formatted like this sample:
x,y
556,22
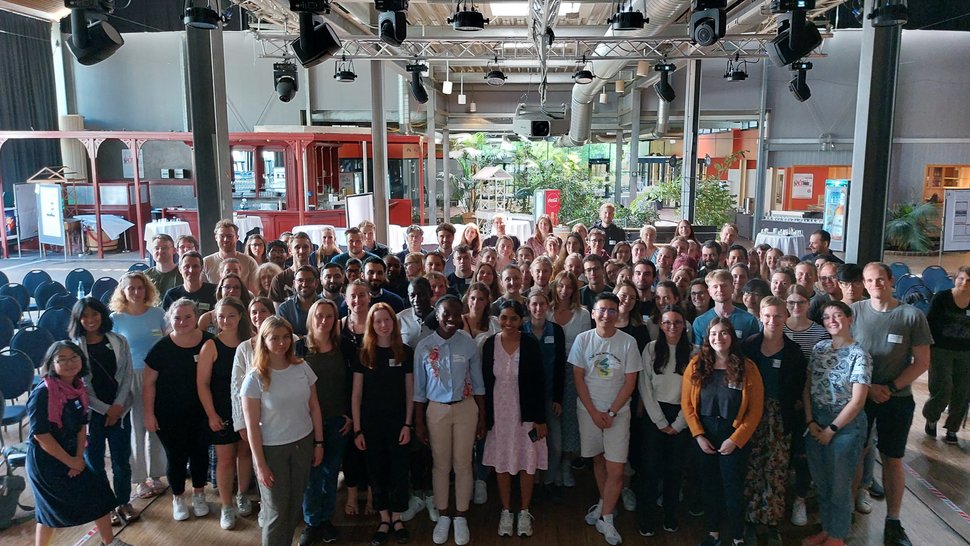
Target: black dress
x,y
220,386
62,501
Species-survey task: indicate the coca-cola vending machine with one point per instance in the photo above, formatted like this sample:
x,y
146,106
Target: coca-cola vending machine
x,y
547,202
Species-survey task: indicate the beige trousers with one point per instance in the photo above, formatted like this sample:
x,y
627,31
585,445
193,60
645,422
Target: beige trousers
x,y
451,429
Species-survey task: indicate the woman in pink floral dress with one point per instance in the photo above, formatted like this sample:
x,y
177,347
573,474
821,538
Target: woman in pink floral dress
x,y
515,414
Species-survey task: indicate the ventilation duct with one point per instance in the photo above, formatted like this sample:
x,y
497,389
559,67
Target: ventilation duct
x,y
663,122
661,13
403,105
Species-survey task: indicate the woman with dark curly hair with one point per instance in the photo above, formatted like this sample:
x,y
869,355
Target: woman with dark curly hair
x,y
722,401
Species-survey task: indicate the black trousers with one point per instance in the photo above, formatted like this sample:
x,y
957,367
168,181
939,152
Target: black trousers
x,y
185,443
662,457
388,465
723,481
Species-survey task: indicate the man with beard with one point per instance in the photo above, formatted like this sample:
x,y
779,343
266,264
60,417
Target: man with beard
x,y
282,286
355,248
375,273
710,258
333,283
829,281
296,308
644,275
595,271
396,281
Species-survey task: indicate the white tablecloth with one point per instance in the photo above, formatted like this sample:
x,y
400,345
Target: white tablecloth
x,y
788,244
113,225
173,229
247,223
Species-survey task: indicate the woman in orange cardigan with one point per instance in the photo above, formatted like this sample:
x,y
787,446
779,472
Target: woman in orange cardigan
x,y
722,402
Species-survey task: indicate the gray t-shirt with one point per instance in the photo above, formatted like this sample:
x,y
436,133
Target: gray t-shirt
x,y
606,361
285,406
889,337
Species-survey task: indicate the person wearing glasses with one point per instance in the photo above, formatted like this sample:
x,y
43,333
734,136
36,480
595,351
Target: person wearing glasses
x,y
828,280
782,366
698,299
605,366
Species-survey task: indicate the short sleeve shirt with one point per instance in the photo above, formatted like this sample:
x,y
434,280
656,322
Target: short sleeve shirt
x,y
285,405
745,324
831,373
606,361
384,397
889,338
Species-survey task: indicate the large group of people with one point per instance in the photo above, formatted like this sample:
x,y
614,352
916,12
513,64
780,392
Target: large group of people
x,y
708,371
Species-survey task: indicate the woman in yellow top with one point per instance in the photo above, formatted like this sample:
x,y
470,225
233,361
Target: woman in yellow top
x,y
722,401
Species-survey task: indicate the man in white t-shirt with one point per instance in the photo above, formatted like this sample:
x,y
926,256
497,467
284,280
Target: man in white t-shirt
x,y
605,365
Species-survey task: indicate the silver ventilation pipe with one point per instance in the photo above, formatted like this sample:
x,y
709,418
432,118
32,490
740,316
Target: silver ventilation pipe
x,y
663,122
661,13
403,105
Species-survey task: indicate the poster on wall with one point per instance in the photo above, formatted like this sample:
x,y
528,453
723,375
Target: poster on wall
x,y
127,167
956,220
50,217
802,185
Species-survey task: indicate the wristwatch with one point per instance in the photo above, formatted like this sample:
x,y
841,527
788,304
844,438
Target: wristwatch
x,y
834,427
611,413
893,389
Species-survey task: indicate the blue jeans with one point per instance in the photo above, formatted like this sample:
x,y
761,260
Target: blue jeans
x,y
118,437
321,492
833,468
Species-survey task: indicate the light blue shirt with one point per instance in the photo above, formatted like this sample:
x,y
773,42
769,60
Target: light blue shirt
x,y
745,324
447,370
142,332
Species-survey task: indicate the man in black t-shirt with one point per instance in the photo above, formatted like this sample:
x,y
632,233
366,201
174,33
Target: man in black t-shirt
x,y
202,293
614,233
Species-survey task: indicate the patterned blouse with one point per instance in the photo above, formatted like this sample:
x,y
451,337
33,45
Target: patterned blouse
x,y
833,371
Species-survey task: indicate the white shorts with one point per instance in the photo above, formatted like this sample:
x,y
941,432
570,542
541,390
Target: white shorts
x,y
613,443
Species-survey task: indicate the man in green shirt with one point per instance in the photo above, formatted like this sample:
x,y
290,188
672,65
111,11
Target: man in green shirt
x,y
165,274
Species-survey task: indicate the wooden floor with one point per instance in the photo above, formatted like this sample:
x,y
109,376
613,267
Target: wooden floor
x,y
938,470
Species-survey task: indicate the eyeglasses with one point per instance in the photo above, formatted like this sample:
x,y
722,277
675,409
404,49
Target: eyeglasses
x,y
61,361
627,297
696,294
608,311
828,279
669,323
796,302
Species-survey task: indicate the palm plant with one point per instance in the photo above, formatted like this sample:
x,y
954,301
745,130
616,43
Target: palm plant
x,y
910,226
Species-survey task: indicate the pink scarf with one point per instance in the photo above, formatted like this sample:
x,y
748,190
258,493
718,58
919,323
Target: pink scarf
x,y
58,393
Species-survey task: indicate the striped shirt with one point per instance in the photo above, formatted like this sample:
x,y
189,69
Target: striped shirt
x,y
807,338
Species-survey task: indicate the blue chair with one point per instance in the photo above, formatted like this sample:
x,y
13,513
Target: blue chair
x,y
56,320
138,266
11,309
899,269
3,278
35,278
66,301
936,279
33,341
16,378
47,290
917,293
905,282
6,331
102,286
19,294
82,276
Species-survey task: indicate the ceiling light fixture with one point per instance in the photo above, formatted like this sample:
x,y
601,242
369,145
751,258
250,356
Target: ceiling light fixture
x,y
583,76
663,87
736,70
643,69
202,17
604,98
446,86
798,85
94,42
284,80
418,91
317,42
461,92
392,20
619,86
708,21
343,71
495,77
627,20
467,20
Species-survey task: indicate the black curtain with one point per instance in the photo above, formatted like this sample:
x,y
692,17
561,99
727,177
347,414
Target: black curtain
x,y
27,98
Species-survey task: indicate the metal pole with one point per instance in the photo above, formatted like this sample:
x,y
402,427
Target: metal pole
x,y
692,110
617,182
635,106
761,180
432,172
872,141
379,140
446,171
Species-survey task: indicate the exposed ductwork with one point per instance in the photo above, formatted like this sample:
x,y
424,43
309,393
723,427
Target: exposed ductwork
x,y
661,13
663,122
403,105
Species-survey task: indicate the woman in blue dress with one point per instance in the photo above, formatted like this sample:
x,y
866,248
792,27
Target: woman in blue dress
x,y
67,492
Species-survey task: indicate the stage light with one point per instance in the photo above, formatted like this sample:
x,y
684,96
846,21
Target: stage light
x,y
798,85
92,42
889,13
582,75
343,71
467,20
708,21
201,17
627,20
663,87
495,77
418,91
285,81
392,20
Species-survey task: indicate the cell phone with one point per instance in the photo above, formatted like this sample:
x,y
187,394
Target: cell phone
x,y
533,435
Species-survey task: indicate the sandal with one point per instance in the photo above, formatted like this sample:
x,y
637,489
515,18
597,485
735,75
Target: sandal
x,y
380,537
127,513
401,535
115,518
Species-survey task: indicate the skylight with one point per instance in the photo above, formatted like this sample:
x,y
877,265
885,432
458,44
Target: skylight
x,y
509,9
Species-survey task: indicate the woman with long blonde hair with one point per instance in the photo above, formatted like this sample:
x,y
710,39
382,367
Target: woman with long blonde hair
x,y
543,231
284,426
383,410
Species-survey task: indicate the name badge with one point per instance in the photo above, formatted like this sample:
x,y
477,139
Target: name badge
x,y
458,360
108,346
739,333
156,332
894,338
204,307
734,385
393,363
549,339
612,242
968,312
775,363
195,358
77,404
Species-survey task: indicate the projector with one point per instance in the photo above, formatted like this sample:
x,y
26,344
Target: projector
x,y
537,122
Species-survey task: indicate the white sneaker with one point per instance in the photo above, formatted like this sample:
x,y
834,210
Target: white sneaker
x,y
505,524
415,505
461,531
567,476
180,512
441,530
609,532
863,502
199,507
594,513
116,542
432,509
799,514
143,491
244,506
480,494
524,527
629,499
227,519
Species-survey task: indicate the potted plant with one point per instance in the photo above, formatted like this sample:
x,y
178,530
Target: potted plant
x,y
911,227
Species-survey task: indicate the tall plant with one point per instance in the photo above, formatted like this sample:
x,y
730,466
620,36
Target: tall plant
x,y
910,226
714,202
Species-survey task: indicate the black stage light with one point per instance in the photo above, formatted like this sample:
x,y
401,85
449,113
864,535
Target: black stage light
x,y
737,70
284,79
201,17
796,39
663,87
92,42
798,85
583,76
495,77
889,13
708,21
418,91
467,20
627,20
317,42
392,20
343,71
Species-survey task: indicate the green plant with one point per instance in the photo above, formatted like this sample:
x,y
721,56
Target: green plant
x,y
910,226
640,212
714,202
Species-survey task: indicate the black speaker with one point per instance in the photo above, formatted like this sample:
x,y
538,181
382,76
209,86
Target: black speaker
x,y
792,44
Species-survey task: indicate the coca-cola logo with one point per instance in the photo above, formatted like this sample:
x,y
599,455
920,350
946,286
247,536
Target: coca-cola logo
x,y
553,200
